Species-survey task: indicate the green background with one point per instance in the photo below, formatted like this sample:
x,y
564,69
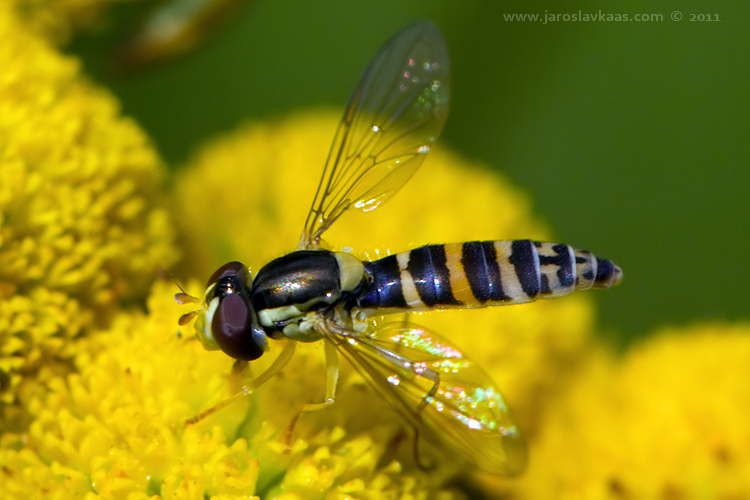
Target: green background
x,y
632,137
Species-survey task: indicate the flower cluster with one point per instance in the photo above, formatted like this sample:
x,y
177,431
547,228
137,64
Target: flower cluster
x,y
117,428
81,229
665,420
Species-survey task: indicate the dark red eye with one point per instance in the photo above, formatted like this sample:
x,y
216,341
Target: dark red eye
x,y
234,327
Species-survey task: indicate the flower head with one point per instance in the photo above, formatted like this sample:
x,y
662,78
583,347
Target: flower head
x,y
81,229
667,420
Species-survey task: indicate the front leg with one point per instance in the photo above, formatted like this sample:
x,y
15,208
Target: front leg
x,y
278,364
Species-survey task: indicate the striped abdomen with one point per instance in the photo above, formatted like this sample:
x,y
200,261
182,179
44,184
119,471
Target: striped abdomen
x,y
482,273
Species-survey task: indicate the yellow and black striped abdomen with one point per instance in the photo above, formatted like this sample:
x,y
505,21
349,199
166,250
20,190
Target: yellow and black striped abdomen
x,y
482,273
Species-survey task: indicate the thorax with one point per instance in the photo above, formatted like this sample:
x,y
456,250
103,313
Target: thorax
x,y
292,291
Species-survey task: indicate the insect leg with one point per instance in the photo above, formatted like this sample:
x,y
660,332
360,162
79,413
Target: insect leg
x,y
278,364
332,380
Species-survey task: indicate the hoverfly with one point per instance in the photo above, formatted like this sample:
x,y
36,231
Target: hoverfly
x,y
392,120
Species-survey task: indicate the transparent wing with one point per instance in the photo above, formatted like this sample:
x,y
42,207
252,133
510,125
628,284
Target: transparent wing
x,y
447,397
392,120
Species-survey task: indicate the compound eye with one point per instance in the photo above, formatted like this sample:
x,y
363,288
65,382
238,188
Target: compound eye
x,y
229,270
233,328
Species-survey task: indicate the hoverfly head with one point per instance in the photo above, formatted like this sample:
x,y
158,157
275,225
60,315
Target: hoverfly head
x,y
227,320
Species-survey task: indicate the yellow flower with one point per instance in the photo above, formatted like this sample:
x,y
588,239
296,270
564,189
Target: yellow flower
x,y
668,420
117,428
80,226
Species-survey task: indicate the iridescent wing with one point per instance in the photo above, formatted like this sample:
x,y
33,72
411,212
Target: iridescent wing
x,y
446,397
392,120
